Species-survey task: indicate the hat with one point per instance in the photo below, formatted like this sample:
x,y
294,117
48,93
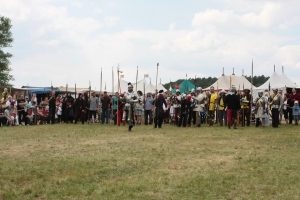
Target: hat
x,y
247,89
80,94
130,85
223,91
160,91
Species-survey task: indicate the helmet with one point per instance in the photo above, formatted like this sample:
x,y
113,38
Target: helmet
x,y
223,91
246,89
212,87
260,93
177,91
232,89
193,91
275,89
199,88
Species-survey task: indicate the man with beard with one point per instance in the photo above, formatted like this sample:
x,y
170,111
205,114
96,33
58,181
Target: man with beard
x,y
80,109
232,102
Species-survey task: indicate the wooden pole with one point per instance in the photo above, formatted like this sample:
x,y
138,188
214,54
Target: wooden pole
x,y
137,72
251,96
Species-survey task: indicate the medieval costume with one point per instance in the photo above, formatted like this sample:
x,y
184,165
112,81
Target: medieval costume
x,y
130,97
160,109
275,105
80,109
232,103
261,103
211,98
185,104
176,105
246,100
200,105
69,109
192,112
221,108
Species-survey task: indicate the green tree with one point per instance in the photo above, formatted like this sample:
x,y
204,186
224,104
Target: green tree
x,y
5,41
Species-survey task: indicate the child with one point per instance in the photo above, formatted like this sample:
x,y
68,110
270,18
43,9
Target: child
x,y
296,109
8,116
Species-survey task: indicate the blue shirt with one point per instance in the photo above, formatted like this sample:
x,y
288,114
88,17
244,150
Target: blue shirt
x,y
115,99
148,103
296,110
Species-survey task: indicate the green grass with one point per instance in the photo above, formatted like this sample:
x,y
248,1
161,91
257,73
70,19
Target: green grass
x,y
66,161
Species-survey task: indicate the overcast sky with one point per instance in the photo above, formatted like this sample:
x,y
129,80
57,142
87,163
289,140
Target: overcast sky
x,y
67,41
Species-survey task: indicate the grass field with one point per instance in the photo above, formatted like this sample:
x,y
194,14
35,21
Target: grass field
x,y
66,161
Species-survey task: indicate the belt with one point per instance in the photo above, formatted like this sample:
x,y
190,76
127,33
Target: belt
x,y
275,106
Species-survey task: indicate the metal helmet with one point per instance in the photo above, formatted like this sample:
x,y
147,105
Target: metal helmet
x,y
275,89
232,89
130,87
199,88
212,88
260,93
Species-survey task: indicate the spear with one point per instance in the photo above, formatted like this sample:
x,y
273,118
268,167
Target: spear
x,y
137,72
101,81
156,77
112,80
251,92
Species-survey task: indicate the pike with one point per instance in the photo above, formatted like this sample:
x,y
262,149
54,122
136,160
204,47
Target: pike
x,y
251,92
156,113
137,72
119,90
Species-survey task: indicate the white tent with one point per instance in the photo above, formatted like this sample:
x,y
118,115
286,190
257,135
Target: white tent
x,y
223,82
275,81
124,85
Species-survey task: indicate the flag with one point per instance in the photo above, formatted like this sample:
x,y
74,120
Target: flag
x,y
146,75
122,76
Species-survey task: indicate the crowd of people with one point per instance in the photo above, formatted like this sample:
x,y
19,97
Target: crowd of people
x,y
183,110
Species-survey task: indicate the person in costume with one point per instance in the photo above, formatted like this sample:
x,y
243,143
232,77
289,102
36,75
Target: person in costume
x,y
80,109
246,99
261,104
160,109
211,100
130,98
221,108
176,105
232,102
192,112
200,105
275,104
184,110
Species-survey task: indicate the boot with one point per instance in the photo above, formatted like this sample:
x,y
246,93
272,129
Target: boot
x,y
129,128
234,125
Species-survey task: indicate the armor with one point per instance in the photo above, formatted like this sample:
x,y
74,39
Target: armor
x,y
130,98
199,107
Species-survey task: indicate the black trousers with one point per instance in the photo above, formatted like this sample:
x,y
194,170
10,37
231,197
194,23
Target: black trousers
x,y
20,113
148,116
51,116
275,117
247,115
290,111
182,118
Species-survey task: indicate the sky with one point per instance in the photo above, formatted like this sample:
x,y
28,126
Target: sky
x,y
70,41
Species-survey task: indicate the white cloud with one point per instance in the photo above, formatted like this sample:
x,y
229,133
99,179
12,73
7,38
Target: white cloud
x,y
75,48
76,4
111,21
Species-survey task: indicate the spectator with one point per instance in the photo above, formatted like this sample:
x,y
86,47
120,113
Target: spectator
x,y
286,107
22,112
294,97
105,100
8,116
94,101
114,101
296,109
148,109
